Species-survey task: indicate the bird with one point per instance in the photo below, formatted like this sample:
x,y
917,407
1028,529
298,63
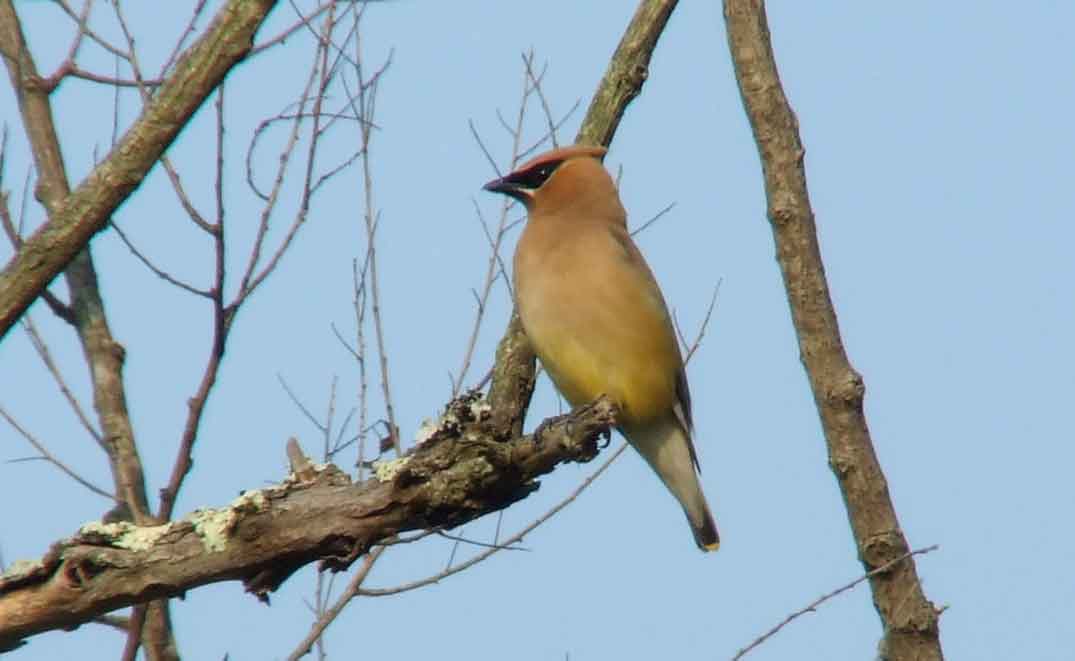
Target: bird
x,y
596,317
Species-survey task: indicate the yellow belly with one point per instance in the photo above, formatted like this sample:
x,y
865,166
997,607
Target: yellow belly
x,y
633,377
601,330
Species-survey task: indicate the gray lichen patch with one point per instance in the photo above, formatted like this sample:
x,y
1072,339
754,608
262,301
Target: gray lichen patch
x,y
386,471
481,409
213,527
426,430
293,478
471,407
124,534
249,501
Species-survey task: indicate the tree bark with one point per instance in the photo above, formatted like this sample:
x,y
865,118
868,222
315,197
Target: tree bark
x,y
468,467
910,621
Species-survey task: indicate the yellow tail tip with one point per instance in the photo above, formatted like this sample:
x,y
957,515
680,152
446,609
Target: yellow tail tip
x,y
709,548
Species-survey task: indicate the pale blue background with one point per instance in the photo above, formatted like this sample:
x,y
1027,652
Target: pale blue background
x,y
939,146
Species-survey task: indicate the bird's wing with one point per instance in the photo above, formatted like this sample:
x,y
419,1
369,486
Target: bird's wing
x,y
682,407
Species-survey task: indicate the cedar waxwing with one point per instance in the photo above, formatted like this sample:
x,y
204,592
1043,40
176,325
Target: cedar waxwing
x,y
596,318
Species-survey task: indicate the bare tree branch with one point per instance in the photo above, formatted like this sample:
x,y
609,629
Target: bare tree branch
x,y
14,232
49,457
46,357
507,544
657,216
62,244
363,102
812,606
330,615
156,270
83,28
464,470
530,85
626,73
75,218
910,621
224,315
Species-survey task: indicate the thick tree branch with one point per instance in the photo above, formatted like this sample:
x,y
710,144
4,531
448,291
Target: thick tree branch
x,y
626,73
910,620
78,216
468,467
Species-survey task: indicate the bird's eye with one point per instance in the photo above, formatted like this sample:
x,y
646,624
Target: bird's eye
x,y
540,175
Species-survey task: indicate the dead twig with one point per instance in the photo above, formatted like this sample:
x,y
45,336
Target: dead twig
x,y
812,606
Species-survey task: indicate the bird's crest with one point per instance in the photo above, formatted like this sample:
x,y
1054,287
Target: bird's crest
x,y
560,155
532,175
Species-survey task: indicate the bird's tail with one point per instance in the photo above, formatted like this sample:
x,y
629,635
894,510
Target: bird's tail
x,y
667,449
704,528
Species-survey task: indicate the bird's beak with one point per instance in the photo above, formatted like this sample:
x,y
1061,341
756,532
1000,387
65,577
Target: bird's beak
x,y
507,187
498,186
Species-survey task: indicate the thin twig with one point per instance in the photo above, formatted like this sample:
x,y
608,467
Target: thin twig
x,y
50,458
553,131
96,38
80,31
514,539
495,265
308,186
812,606
364,104
330,615
14,232
173,175
182,40
299,405
689,349
271,198
473,542
43,352
655,218
528,62
302,22
485,150
360,299
157,271
224,315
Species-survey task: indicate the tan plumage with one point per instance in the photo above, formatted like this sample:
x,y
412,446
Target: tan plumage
x,y
596,317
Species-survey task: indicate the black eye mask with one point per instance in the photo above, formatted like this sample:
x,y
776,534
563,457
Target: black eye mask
x,y
535,177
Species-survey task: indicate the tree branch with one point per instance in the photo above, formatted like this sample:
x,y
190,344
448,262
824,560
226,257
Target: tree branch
x,y
910,621
464,470
626,73
74,220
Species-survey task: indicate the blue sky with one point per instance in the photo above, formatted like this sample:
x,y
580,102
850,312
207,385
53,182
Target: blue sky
x,y
938,141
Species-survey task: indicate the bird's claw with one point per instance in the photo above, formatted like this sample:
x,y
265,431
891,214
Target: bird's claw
x,y
540,431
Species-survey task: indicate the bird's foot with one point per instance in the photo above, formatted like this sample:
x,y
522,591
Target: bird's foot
x,y
539,432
